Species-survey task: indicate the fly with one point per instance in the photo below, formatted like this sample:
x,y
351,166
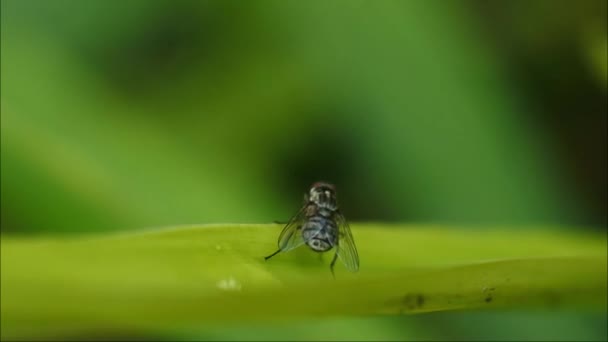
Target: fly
x,y
320,225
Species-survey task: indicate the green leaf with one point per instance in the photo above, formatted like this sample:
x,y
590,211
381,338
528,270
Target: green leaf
x,y
181,277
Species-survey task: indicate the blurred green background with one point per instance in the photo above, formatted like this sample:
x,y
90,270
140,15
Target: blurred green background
x,y
125,115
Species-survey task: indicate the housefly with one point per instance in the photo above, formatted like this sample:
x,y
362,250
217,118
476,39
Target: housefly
x,y
320,225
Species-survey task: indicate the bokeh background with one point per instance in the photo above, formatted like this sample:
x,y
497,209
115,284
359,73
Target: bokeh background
x,y
126,115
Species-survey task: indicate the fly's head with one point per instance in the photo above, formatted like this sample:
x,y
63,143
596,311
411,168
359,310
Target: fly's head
x,y
323,195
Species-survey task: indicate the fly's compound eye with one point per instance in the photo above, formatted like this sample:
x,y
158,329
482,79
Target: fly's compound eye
x,y
323,186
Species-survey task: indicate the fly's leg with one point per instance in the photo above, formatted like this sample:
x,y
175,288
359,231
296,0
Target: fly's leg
x,y
271,255
333,262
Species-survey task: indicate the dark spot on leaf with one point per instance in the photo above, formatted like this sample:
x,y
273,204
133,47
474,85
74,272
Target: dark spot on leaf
x,y
413,301
488,299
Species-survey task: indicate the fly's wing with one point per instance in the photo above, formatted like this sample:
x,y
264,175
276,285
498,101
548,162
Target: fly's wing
x,y
291,236
346,249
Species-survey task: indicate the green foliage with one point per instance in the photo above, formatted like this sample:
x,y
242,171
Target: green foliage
x,y
179,278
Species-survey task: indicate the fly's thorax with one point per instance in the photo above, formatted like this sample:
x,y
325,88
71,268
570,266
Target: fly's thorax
x,y
314,210
324,197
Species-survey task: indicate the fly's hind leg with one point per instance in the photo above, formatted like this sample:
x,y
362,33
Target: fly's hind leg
x,y
333,262
271,255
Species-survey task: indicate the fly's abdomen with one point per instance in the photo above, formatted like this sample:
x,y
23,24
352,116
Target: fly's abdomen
x,y
320,233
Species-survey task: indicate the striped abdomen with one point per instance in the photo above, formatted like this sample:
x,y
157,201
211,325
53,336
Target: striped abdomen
x,y
320,233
